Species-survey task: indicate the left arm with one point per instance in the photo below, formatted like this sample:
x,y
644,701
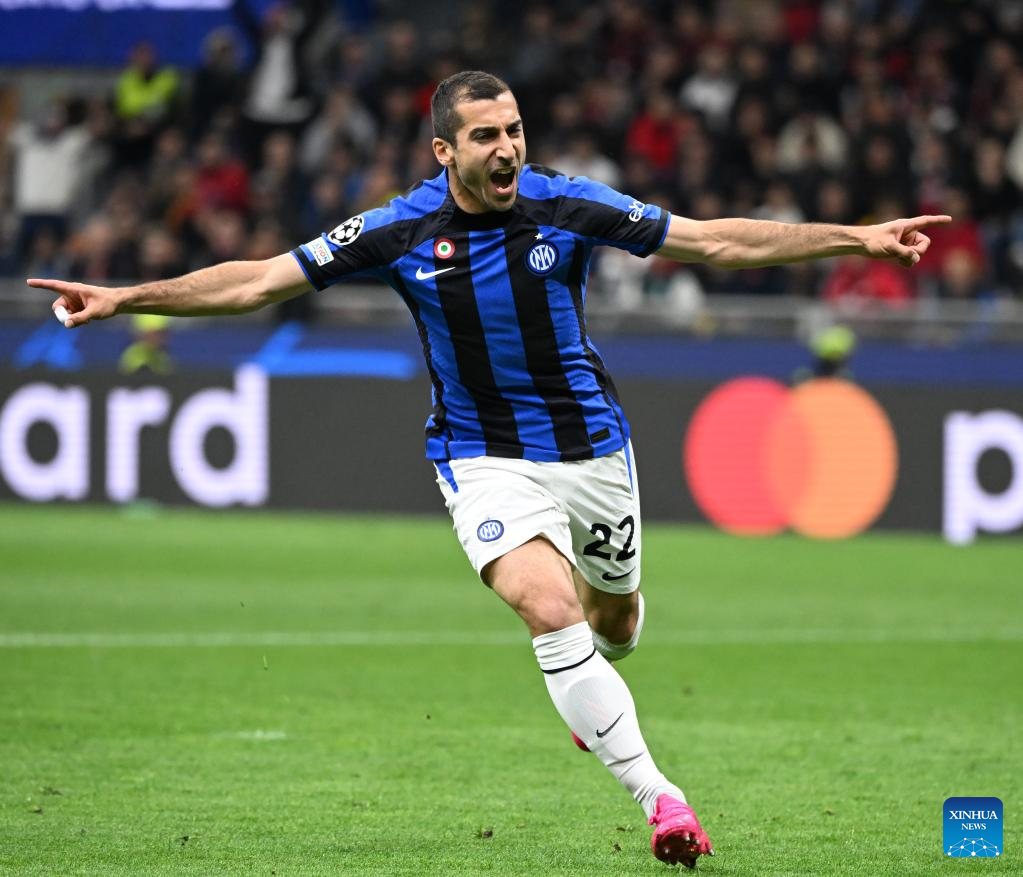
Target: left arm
x,y
754,243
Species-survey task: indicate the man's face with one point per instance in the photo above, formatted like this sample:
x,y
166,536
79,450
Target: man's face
x,y
488,153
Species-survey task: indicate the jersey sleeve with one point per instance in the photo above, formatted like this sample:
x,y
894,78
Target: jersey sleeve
x,y
362,244
606,216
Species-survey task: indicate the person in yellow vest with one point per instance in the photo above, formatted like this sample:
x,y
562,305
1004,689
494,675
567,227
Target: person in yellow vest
x,y
149,350
144,101
832,348
142,89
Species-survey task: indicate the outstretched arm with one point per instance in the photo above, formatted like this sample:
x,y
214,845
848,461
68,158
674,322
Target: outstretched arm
x,y
754,243
228,288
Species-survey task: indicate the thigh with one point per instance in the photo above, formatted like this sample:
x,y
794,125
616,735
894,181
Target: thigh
x,y
497,505
535,579
602,503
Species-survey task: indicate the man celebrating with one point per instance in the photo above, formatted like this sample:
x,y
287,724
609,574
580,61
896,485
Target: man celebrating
x,y
529,441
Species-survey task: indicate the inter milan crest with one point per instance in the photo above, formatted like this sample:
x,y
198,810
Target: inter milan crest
x,y
347,231
490,530
542,258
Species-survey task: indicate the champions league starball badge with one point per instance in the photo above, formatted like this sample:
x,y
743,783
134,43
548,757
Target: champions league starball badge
x,y
347,231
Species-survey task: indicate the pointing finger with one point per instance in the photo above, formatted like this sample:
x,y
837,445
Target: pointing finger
x,y
923,221
47,283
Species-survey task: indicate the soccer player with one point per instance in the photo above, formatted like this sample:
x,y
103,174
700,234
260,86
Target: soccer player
x,y
530,444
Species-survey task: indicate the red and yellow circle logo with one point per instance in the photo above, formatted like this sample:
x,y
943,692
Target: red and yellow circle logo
x,y
820,458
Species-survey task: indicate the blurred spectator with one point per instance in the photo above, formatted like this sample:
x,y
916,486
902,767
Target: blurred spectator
x,y
278,181
166,171
812,140
755,82
325,207
810,86
961,235
221,179
996,201
582,159
90,251
47,177
400,68
657,132
218,85
934,168
400,121
697,169
343,122
279,93
608,109
833,203
148,352
882,174
992,193
856,285
566,119
222,237
160,255
832,348
627,31
779,205
536,54
711,90
144,102
962,275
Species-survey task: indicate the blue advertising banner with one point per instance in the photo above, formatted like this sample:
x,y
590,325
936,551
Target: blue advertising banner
x,y
101,33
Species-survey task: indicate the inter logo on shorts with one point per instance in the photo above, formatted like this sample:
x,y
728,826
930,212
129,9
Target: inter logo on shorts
x,y
488,531
542,258
443,248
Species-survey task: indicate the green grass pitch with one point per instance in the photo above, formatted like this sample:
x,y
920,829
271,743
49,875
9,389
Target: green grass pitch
x,y
188,693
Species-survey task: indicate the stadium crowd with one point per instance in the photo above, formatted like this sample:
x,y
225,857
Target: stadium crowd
x,y
835,111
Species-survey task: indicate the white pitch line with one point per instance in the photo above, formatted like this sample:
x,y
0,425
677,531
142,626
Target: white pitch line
x,y
796,636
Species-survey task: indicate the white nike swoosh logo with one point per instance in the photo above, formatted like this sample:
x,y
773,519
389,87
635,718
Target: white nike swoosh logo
x,y
426,275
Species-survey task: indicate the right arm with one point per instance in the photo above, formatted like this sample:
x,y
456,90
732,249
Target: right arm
x,y
228,288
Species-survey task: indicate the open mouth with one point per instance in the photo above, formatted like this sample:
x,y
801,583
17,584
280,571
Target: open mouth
x,y
503,180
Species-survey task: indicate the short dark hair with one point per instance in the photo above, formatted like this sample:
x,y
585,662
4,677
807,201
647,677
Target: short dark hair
x,y
469,85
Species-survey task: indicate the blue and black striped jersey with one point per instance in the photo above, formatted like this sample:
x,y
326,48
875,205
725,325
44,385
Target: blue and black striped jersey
x,y
498,301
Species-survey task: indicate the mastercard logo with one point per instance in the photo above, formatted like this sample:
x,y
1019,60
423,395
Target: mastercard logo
x,y
820,458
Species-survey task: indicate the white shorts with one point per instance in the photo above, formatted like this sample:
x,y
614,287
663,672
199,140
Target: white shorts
x,y
589,511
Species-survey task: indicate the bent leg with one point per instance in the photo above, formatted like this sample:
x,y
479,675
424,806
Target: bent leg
x,y
594,701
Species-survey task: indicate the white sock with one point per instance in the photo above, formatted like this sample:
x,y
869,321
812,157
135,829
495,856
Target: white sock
x,y
617,651
596,704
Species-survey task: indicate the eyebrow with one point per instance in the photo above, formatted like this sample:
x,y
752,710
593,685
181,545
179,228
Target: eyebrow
x,y
490,129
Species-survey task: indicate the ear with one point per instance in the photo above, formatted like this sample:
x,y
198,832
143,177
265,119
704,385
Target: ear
x,y
443,151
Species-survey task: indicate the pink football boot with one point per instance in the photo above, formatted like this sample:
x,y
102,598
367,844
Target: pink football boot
x,y
579,743
678,836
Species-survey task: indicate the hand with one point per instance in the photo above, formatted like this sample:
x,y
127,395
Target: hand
x,y
83,303
900,239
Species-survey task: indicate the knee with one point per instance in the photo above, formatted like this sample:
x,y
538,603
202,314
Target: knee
x,y
616,630
546,610
616,622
